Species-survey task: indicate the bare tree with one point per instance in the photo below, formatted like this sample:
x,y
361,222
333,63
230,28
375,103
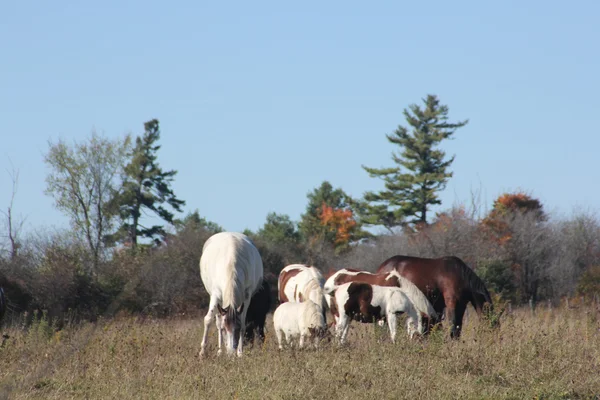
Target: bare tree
x,y
82,181
13,225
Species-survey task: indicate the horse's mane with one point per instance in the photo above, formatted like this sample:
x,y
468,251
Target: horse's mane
x,y
414,294
475,283
312,316
313,286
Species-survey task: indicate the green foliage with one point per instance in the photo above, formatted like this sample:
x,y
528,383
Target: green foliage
x,y
498,278
421,172
82,180
279,229
589,283
146,187
40,328
193,221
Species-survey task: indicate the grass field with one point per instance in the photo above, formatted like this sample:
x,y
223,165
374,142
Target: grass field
x,y
552,355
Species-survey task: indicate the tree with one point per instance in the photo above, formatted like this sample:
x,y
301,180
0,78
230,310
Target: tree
x,y
195,222
13,226
341,222
317,223
82,180
516,224
145,187
507,206
421,172
279,229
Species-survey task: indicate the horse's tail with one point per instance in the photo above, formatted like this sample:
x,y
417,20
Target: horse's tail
x,y
316,274
233,291
414,294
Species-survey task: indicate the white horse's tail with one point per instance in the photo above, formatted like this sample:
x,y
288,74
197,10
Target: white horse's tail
x,y
316,274
233,291
414,294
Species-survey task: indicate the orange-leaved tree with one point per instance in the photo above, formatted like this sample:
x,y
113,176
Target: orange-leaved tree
x,y
509,205
340,221
515,223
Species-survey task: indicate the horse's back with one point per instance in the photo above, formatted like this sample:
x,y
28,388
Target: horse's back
x,y
294,278
227,251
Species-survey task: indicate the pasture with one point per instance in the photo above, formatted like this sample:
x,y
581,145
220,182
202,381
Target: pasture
x,y
553,354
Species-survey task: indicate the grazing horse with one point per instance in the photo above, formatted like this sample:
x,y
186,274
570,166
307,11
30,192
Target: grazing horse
x,y
260,304
231,270
393,279
304,320
299,282
447,282
368,303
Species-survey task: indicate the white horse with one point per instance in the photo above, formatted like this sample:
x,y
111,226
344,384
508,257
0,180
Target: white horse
x,y
231,270
299,282
369,303
304,320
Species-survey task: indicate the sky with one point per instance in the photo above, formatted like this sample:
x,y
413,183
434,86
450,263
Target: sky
x,y
259,102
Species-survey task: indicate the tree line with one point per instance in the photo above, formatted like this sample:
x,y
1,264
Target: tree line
x,y
111,259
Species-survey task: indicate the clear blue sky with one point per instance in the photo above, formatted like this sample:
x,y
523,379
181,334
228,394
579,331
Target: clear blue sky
x,y
259,102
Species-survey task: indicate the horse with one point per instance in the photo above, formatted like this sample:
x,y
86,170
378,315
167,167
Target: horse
x,y
299,282
231,270
303,320
447,282
260,304
368,303
390,279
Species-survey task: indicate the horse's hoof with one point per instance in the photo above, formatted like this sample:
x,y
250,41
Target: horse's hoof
x,y
219,352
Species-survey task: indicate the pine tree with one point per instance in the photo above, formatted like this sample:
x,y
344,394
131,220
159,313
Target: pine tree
x,y
146,187
421,172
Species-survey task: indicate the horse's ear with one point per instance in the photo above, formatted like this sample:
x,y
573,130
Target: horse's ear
x,y
222,310
240,308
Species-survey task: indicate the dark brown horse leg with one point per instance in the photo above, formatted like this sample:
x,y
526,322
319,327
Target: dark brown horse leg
x,y
456,318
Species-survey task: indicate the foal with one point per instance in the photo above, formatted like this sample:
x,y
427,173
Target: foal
x,y
304,320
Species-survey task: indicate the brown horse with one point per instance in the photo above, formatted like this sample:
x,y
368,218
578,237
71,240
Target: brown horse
x,y
447,282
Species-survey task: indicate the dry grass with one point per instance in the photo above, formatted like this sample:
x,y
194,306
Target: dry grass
x,y
551,355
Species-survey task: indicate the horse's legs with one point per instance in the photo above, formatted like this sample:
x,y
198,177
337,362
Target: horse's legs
x,y
392,324
301,341
220,331
243,327
261,330
279,334
343,326
456,320
207,321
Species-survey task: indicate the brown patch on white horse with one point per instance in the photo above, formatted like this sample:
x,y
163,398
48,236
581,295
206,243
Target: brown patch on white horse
x,y
284,277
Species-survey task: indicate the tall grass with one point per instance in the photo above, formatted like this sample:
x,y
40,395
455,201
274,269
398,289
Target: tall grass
x,y
552,354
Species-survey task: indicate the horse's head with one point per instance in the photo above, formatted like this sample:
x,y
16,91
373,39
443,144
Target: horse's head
x,y
232,322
